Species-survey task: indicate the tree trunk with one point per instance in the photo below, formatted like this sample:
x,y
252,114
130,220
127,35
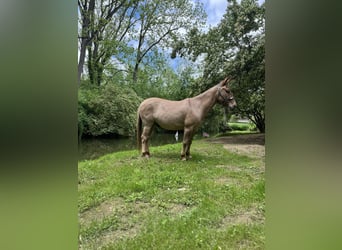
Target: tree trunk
x,y
81,59
91,72
87,10
135,72
261,126
259,120
93,63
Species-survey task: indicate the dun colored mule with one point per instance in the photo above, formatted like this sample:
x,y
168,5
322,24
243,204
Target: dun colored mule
x,y
184,115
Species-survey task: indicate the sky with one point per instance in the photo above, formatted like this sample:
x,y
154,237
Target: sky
x,y
215,10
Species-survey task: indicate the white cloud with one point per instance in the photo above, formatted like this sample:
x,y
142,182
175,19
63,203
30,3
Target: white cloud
x,y
215,10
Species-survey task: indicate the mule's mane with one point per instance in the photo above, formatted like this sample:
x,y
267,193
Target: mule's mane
x,y
214,88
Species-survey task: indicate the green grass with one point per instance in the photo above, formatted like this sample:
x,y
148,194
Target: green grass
x,y
216,200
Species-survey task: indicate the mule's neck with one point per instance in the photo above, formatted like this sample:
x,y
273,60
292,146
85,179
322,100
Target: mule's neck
x,y
206,100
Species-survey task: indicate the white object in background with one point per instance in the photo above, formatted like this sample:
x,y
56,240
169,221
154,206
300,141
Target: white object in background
x,y
176,135
205,134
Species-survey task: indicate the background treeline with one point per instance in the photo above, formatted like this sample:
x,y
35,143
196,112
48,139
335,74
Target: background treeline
x,y
130,50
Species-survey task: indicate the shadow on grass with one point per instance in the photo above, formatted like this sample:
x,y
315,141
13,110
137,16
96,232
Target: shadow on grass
x,y
196,157
254,138
202,152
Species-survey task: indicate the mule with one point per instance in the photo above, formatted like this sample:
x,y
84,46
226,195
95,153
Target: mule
x,y
184,115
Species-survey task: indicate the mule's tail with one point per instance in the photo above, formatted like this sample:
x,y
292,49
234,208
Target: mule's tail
x,y
139,128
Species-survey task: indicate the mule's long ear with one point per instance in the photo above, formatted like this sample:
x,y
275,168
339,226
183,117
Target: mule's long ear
x,y
225,81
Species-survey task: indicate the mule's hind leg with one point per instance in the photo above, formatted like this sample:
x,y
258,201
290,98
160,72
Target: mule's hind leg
x,y
187,154
144,140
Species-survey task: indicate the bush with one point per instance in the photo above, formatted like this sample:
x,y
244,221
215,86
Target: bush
x,y
252,127
239,126
107,110
213,121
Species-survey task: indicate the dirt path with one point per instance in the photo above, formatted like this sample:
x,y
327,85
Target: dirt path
x,y
250,144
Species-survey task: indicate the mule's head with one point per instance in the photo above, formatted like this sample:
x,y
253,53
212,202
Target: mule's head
x,y
224,95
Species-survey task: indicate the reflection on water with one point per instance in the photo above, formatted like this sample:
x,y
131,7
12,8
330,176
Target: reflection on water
x,y
93,148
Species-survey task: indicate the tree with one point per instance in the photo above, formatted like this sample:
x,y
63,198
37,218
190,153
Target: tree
x,y
161,22
86,9
158,79
104,25
243,30
109,26
235,47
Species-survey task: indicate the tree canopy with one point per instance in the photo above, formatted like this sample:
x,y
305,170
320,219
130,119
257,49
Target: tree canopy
x,y
236,47
128,31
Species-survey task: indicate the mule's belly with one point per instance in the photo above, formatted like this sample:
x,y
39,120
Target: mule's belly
x,y
170,124
170,119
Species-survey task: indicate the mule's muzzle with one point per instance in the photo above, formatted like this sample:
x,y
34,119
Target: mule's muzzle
x,y
225,98
232,103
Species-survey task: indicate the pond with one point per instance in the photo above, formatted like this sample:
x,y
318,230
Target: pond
x,y
93,148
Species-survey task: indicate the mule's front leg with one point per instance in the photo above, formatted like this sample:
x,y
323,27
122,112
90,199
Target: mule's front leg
x,y
183,155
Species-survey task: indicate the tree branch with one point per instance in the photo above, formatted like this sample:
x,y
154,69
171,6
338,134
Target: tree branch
x,y
156,42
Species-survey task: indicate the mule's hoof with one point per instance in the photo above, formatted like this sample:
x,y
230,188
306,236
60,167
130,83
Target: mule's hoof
x,y
146,155
183,158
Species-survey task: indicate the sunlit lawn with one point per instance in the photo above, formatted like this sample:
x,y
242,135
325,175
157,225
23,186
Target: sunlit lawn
x,y
216,200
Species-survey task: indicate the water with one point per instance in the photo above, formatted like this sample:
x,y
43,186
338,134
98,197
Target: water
x,y
89,149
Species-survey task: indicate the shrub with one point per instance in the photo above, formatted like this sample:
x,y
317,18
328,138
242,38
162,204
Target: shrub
x,y
107,110
239,126
252,127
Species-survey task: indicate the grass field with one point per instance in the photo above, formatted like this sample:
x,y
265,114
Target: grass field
x,y
216,200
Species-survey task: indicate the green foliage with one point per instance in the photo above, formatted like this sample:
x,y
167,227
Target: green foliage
x,y
213,122
239,126
253,127
159,79
109,109
244,23
236,47
162,23
109,27
156,78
